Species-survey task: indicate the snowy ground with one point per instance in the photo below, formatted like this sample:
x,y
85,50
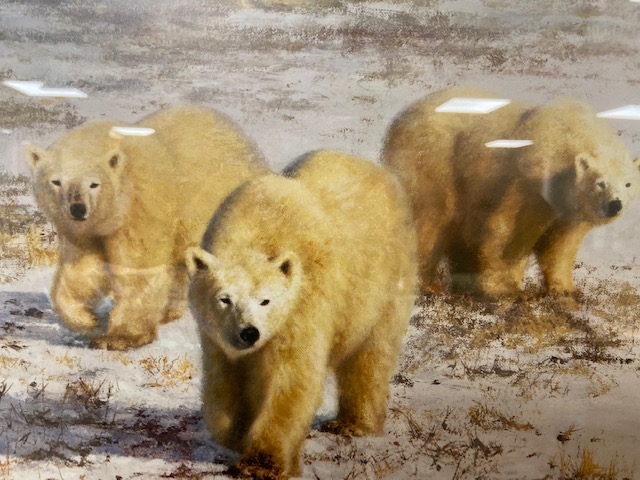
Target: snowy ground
x,y
509,391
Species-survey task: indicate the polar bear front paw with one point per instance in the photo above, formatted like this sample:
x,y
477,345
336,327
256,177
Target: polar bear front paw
x,y
347,429
121,342
256,466
567,300
83,326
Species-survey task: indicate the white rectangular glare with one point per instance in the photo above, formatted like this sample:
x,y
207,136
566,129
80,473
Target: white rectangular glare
x,y
36,89
504,143
6,131
472,105
628,112
23,87
133,131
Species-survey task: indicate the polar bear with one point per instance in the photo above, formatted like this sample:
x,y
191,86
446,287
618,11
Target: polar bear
x,y
298,274
486,210
127,207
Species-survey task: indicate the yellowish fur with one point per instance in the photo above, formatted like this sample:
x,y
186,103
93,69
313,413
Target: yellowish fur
x,y
331,246
144,201
486,210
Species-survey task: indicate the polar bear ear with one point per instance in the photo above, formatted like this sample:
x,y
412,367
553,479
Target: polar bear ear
x,y
199,260
289,265
583,162
116,160
33,155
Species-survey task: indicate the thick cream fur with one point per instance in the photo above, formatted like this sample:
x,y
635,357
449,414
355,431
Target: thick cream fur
x,y
486,210
147,199
331,246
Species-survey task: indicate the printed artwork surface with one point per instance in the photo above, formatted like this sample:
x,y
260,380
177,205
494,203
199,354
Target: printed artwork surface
x,y
319,239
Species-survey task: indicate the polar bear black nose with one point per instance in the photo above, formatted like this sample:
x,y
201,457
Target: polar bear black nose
x,y
613,208
78,211
250,335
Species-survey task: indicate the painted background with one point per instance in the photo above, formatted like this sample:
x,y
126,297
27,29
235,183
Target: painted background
x,y
484,391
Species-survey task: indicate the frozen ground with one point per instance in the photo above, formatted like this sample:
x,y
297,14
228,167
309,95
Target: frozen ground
x,y
517,391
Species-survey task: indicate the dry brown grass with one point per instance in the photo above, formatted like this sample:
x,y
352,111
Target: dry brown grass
x,y
532,324
168,373
110,356
7,361
94,396
41,247
585,467
432,443
70,361
490,418
5,466
26,239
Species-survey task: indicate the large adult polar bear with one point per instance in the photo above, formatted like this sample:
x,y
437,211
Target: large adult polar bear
x,y
299,275
486,210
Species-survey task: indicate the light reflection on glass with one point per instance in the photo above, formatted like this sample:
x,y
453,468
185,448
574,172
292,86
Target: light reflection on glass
x,y
504,143
628,112
37,89
472,105
133,131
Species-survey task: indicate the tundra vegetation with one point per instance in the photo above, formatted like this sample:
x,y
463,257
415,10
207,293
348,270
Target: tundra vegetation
x,y
519,389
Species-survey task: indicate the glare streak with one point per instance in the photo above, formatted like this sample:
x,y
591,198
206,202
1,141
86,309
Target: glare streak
x,y
628,112
472,105
133,131
36,89
503,143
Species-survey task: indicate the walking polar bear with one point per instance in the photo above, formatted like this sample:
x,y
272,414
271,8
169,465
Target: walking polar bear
x,y
299,274
127,207
486,210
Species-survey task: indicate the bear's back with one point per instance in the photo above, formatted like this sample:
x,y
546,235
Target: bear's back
x,y
561,130
434,153
269,214
206,149
331,208
373,243
425,133
372,229
356,194
189,131
210,156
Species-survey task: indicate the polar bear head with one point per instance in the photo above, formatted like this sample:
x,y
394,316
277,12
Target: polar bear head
x,y
243,302
605,186
78,190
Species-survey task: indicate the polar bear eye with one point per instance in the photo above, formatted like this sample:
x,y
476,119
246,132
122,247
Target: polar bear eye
x,y
56,182
601,185
225,300
264,302
628,185
94,185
